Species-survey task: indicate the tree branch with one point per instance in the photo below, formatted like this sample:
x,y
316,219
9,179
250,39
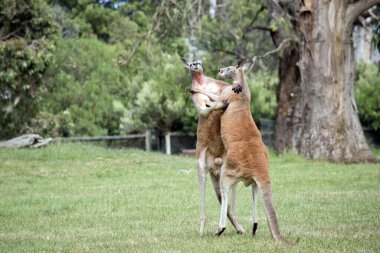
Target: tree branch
x,y
370,11
355,9
250,28
215,49
259,27
14,33
279,48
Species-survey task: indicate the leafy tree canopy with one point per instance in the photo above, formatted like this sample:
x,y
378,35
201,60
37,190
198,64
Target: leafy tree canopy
x,y
26,47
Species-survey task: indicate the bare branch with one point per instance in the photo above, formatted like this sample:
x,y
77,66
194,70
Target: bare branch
x,y
134,49
259,27
355,9
255,17
14,33
215,49
370,11
362,21
278,49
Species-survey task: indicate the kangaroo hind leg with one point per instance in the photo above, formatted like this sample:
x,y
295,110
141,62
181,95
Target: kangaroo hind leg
x,y
202,175
255,197
225,186
230,211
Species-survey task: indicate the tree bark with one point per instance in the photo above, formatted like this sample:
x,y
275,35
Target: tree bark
x,y
317,114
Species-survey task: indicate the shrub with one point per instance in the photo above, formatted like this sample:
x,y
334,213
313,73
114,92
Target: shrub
x,y
263,95
26,46
83,82
367,94
158,99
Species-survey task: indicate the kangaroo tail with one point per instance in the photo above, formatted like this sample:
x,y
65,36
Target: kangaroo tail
x,y
271,214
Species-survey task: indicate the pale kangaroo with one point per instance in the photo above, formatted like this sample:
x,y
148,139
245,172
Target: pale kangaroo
x,y
246,157
209,148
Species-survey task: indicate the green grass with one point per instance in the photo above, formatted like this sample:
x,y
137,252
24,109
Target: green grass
x,y
83,198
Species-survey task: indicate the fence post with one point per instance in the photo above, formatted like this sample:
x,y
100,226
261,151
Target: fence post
x,y
148,140
168,146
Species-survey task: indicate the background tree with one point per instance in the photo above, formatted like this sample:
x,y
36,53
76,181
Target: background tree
x,y
317,113
26,45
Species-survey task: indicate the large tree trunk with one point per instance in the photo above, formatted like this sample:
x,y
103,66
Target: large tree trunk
x,y
319,114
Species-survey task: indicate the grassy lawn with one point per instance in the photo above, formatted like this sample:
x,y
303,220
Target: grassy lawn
x,y
83,198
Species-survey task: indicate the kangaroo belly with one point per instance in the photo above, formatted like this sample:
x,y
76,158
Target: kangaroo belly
x,y
208,134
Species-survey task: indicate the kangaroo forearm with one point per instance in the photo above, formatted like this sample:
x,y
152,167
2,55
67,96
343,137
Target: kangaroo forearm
x,y
218,105
205,112
211,96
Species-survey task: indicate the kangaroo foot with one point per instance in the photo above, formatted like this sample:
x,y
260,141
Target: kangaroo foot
x,y
240,230
254,228
219,232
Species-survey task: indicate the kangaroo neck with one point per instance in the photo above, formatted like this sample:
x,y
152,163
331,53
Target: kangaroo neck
x,y
198,78
240,79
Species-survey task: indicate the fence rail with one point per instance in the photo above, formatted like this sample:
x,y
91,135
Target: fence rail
x,y
170,143
168,148
99,138
147,135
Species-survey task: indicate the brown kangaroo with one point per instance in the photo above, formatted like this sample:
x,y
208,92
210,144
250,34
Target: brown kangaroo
x,y
246,157
209,147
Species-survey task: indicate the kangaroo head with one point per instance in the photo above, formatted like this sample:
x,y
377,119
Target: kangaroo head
x,y
228,72
231,72
194,67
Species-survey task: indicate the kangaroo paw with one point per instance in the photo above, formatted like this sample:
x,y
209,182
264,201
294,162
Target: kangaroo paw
x,y
225,105
237,89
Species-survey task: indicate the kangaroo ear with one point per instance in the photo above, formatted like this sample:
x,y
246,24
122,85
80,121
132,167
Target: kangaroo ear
x,y
248,66
185,62
245,65
240,63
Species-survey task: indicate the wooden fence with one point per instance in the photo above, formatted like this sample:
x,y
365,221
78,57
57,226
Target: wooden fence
x,y
169,143
166,145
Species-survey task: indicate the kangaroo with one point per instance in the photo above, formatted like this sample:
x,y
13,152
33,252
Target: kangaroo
x,y
246,156
209,147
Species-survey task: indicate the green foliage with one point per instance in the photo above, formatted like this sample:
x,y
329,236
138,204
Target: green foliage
x,y
232,35
115,69
83,87
100,20
95,88
367,94
26,46
263,95
54,125
70,26
157,97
